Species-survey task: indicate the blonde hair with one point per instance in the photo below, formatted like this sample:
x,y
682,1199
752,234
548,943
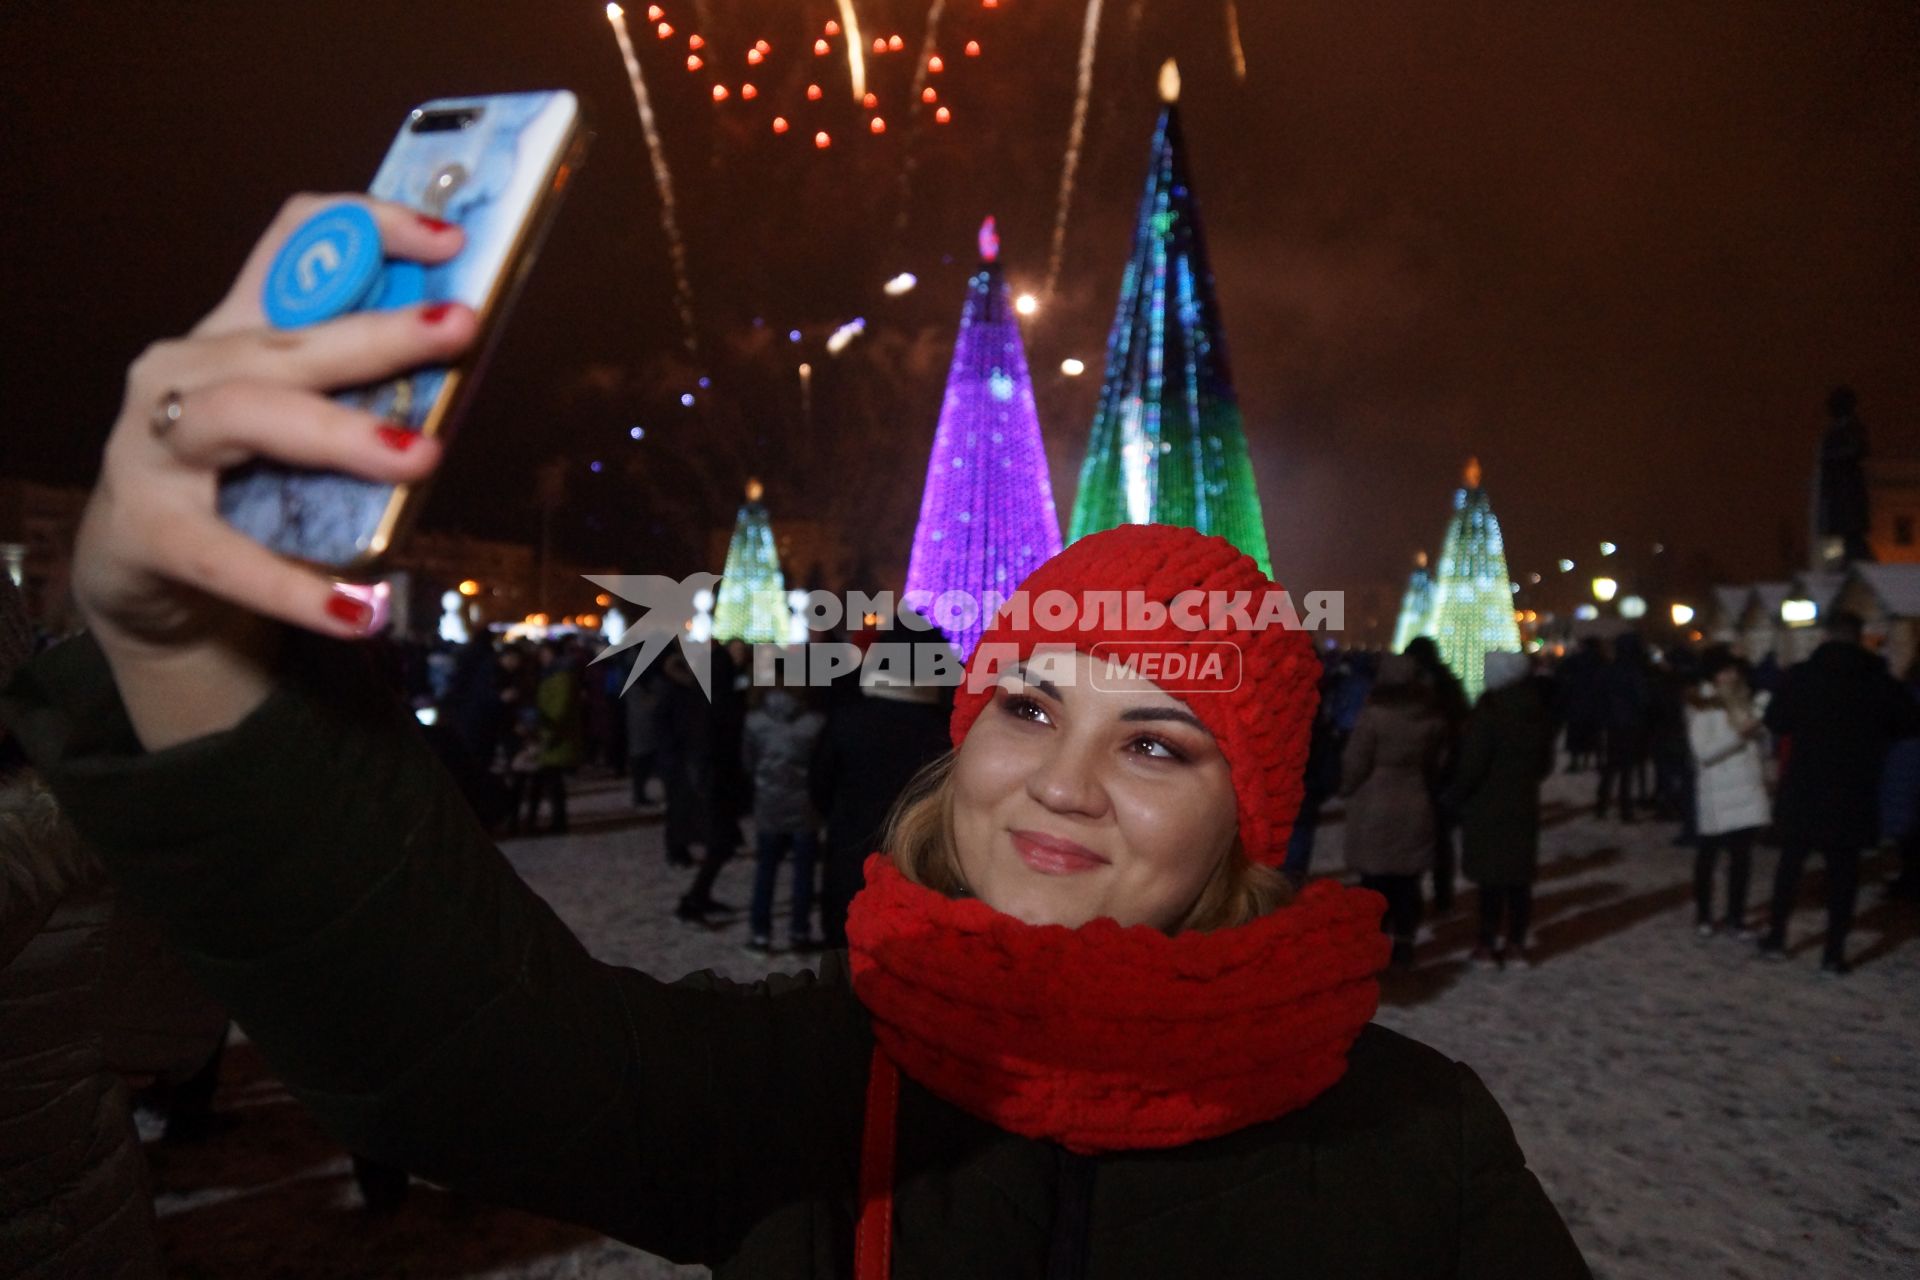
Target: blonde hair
x,y
919,839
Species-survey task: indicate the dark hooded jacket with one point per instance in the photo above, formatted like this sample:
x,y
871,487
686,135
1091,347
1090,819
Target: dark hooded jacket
x,y
435,1014
1842,708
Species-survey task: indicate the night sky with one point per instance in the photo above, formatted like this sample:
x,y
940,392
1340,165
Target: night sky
x,y
1620,251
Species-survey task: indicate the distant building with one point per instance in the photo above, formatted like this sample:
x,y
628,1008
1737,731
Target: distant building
x,y
1886,597
1893,499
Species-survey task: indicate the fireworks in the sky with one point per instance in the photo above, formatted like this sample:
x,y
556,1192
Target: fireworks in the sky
x,y
1233,41
662,178
1076,136
682,32
856,56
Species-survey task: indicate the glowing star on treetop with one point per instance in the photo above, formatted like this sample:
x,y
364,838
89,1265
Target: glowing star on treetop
x,y
987,517
1168,445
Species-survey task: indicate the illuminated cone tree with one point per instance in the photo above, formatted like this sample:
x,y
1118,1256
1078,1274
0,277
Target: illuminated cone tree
x,y
1415,607
1167,445
751,603
987,517
1472,595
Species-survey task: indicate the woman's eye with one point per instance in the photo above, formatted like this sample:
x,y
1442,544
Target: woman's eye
x,y
1156,748
1021,707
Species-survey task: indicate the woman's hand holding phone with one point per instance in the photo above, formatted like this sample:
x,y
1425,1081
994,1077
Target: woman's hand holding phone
x,y
185,608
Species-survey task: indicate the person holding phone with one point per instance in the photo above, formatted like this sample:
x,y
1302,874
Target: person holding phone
x,y
1085,1028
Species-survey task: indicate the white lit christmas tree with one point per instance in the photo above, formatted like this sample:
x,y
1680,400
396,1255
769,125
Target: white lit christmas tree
x,y
752,601
1415,607
1472,595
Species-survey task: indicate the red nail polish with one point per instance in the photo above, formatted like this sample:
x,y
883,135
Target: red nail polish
x,y
437,312
397,438
432,223
356,613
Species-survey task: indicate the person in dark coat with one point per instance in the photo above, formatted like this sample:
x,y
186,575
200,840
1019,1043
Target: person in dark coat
x,y
683,737
874,744
1840,709
1449,698
1387,777
712,749
640,707
777,749
471,707
1672,682
1626,698
1507,751
1583,703
1322,780
1084,1026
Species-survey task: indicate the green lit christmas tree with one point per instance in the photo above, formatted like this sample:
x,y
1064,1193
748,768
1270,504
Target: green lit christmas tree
x,y
751,604
1472,595
1415,607
1167,445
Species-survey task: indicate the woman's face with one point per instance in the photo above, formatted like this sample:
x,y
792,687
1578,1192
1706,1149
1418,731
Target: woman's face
x,y
1072,803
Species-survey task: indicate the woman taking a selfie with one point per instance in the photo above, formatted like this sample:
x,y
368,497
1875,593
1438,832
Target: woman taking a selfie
x,y
1082,1030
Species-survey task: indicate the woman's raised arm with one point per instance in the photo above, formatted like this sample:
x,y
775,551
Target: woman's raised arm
x,y
250,784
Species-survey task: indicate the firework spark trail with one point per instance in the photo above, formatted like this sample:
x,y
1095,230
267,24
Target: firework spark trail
x,y
1233,42
856,49
662,178
1089,41
929,45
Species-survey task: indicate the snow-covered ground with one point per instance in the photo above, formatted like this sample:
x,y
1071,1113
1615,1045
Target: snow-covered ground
x,y
1693,1111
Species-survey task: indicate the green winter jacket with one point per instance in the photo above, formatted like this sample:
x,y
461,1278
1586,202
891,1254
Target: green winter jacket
x,y
326,881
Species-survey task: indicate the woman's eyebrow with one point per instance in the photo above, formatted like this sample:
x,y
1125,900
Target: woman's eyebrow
x,y
1047,687
1165,713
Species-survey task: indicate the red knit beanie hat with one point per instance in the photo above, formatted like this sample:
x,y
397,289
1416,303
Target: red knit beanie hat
x,y
1259,705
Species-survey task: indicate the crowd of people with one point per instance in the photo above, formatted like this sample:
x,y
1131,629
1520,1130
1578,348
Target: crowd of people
x,y
1821,757
1430,787
515,719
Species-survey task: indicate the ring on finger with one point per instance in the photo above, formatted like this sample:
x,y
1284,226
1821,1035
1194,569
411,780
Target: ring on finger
x,y
166,413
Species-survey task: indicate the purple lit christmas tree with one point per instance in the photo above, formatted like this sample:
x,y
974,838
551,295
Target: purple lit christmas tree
x,y
1168,445
986,517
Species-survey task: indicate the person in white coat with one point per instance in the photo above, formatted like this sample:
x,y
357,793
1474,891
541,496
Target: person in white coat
x,y
1727,738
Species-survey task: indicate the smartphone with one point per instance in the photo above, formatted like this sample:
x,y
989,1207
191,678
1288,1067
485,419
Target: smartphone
x,y
496,165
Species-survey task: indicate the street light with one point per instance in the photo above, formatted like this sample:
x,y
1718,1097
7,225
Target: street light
x,y
1026,304
1633,607
1604,589
1682,614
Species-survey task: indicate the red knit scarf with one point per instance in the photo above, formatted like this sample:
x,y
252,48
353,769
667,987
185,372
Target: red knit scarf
x,y
1102,1038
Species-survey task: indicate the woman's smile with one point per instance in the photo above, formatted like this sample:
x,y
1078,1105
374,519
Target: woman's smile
x,y
1056,855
